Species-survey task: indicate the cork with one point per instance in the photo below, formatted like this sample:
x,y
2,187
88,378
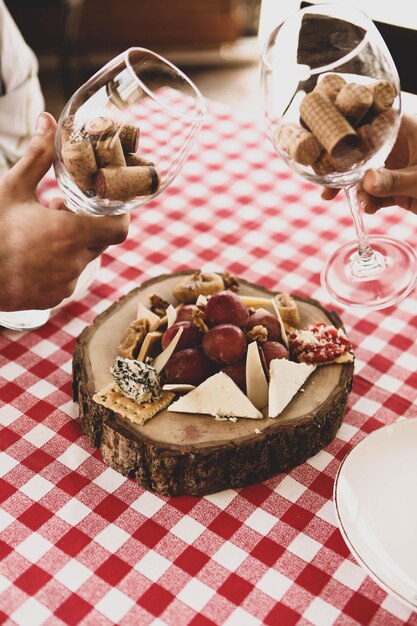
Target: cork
x,y
384,94
99,128
103,133
78,157
391,115
324,165
129,138
109,152
136,159
373,134
125,183
67,128
327,124
299,143
330,85
327,164
354,101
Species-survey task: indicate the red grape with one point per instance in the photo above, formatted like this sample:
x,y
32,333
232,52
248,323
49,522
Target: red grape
x,y
225,344
225,307
185,314
190,337
264,318
237,372
273,350
188,366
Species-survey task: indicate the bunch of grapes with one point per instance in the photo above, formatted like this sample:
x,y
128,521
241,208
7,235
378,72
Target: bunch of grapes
x,y
229,325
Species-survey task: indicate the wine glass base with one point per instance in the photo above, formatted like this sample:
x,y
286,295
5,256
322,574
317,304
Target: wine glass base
x,y
380,288
24,320
34,318
87,276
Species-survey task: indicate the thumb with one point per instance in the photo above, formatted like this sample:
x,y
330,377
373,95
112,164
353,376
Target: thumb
x,y
384,183
25,175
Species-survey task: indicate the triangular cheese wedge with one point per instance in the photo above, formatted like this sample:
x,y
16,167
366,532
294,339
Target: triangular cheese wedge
x,y
218,396
144,313
256,383
151,345
171,315
286,379
281,323
163,358
201,300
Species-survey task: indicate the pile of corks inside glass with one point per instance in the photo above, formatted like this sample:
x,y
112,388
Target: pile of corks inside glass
x,y
341,123
102,159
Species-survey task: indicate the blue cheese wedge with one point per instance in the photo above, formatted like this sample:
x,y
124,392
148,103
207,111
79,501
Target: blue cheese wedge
x,y
137,380
219,396
286,378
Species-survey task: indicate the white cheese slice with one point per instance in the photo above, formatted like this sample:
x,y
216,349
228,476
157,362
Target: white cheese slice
x,y
286,378
219,396
201,300
281,323
256,382
143,312
178,387
163,358
171,313
151,345
255,301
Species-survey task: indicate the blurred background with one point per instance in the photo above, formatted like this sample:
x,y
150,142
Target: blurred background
x,y
214,41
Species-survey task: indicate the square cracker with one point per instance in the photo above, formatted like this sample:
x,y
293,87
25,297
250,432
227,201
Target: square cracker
x,y
112,398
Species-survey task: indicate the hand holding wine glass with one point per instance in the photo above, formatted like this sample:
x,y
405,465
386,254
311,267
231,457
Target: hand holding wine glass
x,y
395,184
121,140
44,249
333,108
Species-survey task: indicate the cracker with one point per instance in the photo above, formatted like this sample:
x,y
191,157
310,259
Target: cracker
x,y
112,398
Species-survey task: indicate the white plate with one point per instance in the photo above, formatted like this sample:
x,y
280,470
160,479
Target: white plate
x,y
375,498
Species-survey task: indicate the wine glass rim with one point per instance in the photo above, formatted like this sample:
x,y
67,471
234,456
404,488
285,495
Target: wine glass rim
x,y
320,8
152,95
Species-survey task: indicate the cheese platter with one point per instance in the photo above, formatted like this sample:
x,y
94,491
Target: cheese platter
x,y
192,420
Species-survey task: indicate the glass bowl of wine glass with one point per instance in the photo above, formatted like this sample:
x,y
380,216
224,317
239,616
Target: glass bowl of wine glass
x,y
125,133
332,101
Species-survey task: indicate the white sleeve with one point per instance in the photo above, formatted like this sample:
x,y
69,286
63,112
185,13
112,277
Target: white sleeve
x,y
21,98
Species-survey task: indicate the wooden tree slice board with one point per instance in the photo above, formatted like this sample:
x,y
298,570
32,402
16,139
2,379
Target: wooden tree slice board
x,y
178,453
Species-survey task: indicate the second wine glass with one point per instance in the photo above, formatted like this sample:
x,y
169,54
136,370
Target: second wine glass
x,y
333,108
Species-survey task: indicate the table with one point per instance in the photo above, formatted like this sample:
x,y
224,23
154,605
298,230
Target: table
x,y
81,544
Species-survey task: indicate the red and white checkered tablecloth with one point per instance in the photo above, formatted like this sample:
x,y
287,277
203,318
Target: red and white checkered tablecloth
x,y
81,544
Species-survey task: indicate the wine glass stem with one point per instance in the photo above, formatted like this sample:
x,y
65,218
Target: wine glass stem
x,y
366,261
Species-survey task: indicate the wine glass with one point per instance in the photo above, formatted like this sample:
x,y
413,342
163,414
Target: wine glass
x,y
121,139
125,134
332,103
